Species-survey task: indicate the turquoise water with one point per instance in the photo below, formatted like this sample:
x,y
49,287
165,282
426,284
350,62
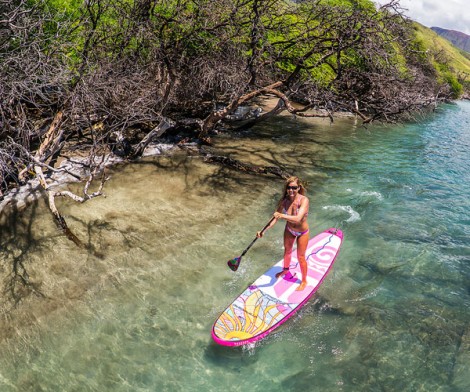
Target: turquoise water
x,y
133,309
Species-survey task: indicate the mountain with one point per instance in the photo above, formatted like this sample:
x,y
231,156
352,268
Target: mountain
x,y
460,40
451,63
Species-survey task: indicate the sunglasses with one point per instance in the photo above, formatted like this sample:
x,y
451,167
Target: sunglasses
x,y
294,188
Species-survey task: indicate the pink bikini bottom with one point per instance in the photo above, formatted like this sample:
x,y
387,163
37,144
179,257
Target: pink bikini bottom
x,y
296,233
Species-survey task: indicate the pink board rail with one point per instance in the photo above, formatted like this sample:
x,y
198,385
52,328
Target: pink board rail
x,y
270,302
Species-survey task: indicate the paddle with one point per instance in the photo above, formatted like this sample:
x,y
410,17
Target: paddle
x,y
235,263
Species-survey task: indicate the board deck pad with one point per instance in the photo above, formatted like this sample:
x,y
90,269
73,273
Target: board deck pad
x,y
270,301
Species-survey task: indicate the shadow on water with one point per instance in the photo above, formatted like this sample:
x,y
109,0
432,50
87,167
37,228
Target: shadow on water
x,y
17,242
233,359
26,230
220,179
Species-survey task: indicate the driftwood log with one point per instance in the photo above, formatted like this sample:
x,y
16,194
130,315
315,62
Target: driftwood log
x,y
50,146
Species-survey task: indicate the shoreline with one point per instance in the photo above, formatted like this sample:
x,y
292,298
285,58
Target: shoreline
x,y
19,198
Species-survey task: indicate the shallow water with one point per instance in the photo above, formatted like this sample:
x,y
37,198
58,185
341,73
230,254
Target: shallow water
x,y
132,309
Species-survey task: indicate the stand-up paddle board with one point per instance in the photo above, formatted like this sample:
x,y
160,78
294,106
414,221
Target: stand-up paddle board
x,y
269,302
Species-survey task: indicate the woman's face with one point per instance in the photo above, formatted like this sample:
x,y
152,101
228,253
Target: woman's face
x,y
292,188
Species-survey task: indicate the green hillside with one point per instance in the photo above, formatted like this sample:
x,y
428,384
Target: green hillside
x,y
451,63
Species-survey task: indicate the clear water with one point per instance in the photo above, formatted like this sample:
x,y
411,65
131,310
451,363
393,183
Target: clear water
x,y
132,309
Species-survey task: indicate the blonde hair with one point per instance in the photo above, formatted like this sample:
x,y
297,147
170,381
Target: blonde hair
x,y
295,179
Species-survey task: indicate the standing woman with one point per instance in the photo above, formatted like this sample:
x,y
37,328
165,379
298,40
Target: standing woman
x,y
293,208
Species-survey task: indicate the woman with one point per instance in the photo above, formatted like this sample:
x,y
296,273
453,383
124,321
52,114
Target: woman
x,y
293,208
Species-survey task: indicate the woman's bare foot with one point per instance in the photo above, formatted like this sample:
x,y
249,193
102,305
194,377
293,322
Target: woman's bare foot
x,y
301,286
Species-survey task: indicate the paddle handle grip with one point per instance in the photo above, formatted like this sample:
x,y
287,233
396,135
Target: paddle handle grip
x,y
252,242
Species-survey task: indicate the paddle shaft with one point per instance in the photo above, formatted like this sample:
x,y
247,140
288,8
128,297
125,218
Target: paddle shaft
x,y
252,242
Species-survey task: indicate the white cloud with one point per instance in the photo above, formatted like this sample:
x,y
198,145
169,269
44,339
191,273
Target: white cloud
x,y
448,14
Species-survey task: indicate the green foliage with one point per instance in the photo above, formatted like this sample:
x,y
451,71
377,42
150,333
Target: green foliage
x,y
238,46
365,5
289,32
455,86
305,32
64,6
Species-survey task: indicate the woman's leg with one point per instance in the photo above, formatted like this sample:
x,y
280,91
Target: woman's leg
x,y
289,240
302,243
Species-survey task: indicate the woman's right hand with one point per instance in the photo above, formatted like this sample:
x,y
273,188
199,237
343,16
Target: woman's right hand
x,y
259,234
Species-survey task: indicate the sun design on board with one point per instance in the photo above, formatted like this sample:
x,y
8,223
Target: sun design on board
x,y
249,316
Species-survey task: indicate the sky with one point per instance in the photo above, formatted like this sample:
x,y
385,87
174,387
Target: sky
x,y
448,14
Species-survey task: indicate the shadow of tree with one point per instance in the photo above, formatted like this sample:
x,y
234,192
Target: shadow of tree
x,y
17,242
21,237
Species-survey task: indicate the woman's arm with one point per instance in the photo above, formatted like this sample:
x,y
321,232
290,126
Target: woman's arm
x,y
259,234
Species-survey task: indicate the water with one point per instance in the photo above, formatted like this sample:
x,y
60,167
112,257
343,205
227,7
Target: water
x,y
132,309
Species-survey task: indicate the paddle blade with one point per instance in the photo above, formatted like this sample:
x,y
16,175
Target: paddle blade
x,y
234,263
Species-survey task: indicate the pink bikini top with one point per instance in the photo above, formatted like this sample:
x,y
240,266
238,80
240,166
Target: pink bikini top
x,y
284,210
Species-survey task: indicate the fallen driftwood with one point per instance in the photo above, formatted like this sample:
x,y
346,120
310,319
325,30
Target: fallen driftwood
x,y
50,146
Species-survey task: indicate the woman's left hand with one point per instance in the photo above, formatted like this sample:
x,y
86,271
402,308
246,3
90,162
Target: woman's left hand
x,y
277,215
